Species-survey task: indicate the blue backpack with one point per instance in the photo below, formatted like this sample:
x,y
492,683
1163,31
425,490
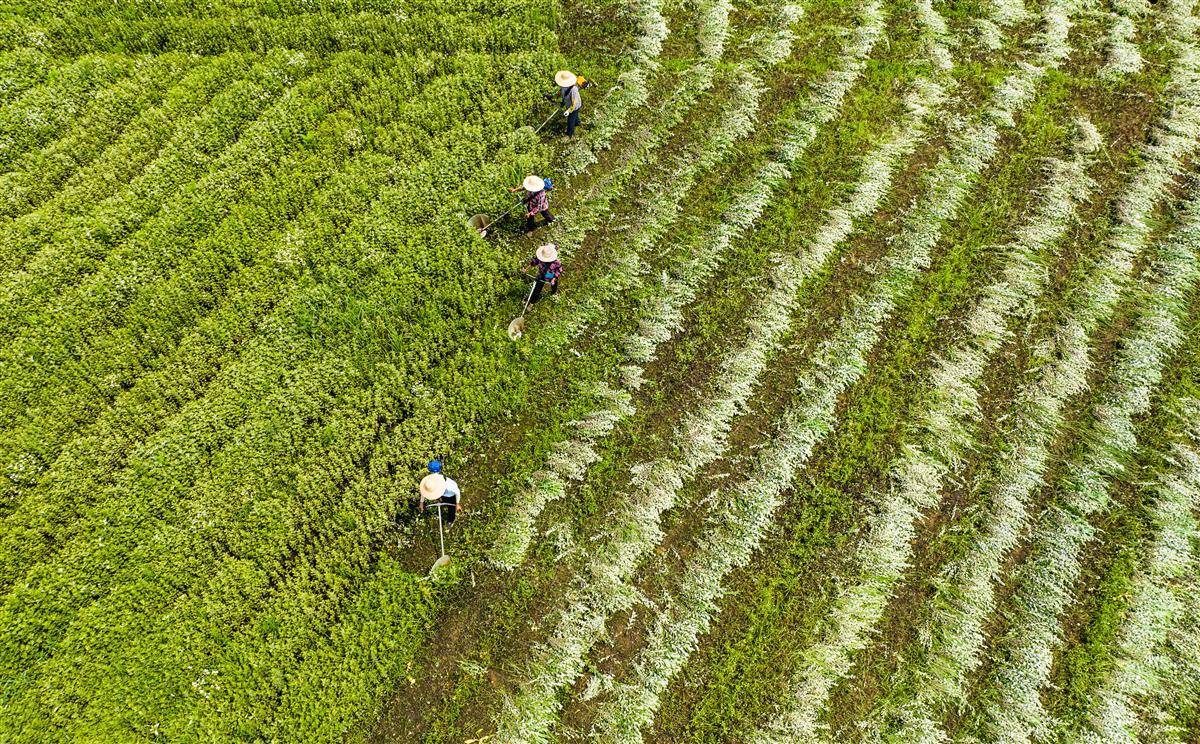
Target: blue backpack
x,y
549,185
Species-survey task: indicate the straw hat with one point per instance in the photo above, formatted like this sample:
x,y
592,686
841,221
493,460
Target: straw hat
x,y
547,252
565,78
533,184
433,486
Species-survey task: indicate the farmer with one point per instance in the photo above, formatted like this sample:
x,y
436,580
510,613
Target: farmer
x,y
440,492
536,201
568,88
549,269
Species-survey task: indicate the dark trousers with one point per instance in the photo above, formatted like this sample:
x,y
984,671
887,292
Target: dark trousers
x,y
530,224
538,284
449,512
572,122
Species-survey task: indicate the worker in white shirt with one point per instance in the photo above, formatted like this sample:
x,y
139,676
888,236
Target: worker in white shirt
x,y
441,493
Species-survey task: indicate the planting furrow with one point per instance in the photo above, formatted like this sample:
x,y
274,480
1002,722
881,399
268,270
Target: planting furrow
x,y
965,592
109,111
41,112
58,248
1156,602
602,590
1013,709
740,524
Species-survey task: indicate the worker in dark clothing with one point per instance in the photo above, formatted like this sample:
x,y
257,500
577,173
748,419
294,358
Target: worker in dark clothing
x,y
545,262
536,201
568,86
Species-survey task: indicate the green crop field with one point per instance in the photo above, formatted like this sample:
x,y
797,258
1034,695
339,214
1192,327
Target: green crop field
x,y
867,408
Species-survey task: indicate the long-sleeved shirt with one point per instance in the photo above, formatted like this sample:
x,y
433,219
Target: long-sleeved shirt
x,y
536,202
547,271
570,98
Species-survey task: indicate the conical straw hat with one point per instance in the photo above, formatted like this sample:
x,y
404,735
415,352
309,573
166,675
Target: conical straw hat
x,y
533,184
433,486
565,78
547,252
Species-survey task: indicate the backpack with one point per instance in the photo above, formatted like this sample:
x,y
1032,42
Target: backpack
x,y
549,185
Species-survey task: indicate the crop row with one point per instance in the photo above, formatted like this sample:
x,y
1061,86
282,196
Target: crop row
x,y
1156,603
54,344
138,145
57,247
145,9
158,402
224,275
429,32
41,112
285,343
600,591
42,172
20,70
964,594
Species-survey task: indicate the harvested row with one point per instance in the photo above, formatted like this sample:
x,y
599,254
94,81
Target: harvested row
x,y
633,704
631,90
636,527
709,699
1124,57
881,554
937,675
625,271
664,301
530,715
678,256
749,512
1013,707
39,174
1157,603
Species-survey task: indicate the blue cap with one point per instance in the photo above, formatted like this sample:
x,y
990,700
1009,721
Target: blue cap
x,y
435,466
